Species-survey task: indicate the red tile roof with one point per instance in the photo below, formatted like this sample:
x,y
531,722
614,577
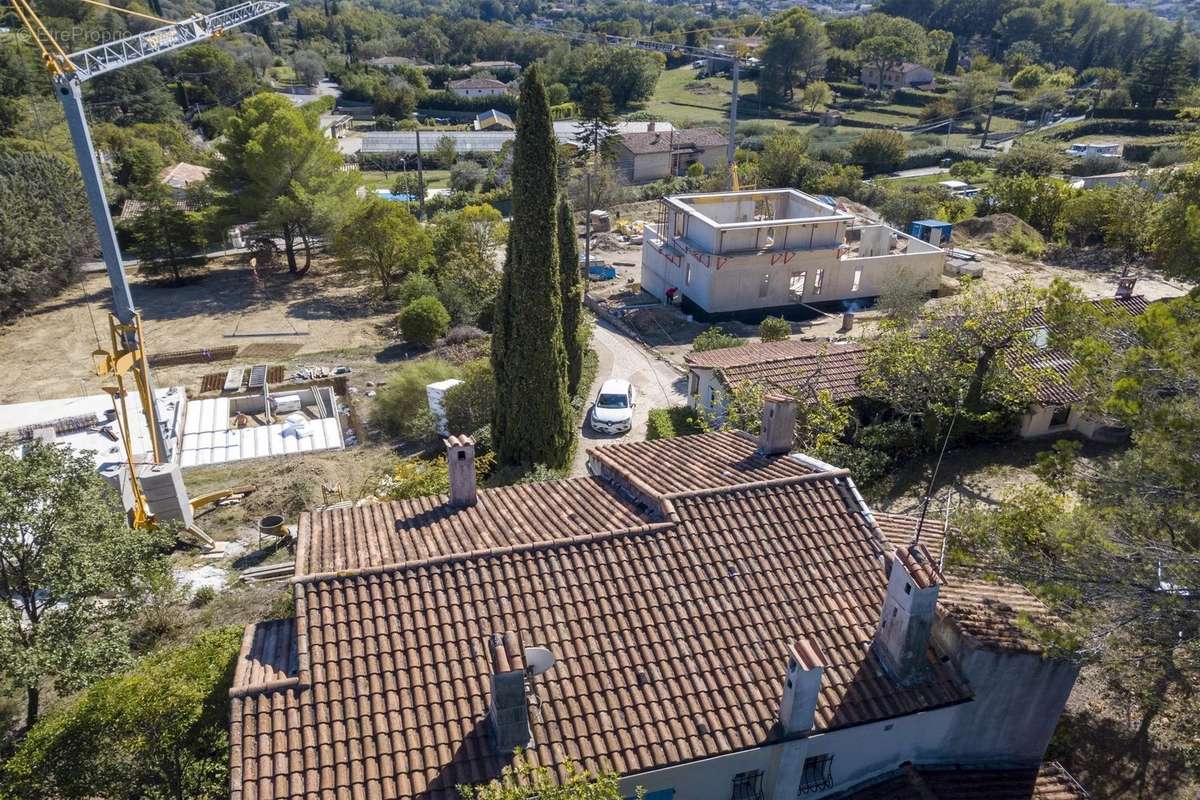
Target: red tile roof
x,y
663,141
1047,782
995,614
790,365
742,556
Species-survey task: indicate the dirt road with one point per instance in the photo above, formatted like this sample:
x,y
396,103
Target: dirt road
x,y
655,383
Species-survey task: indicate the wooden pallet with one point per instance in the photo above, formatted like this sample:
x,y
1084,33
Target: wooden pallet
x,y
212,382
276,374
200,356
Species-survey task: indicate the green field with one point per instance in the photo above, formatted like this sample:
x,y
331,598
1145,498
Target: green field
x,y
685,101
378,179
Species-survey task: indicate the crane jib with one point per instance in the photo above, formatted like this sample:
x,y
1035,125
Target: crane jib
x,y
87,64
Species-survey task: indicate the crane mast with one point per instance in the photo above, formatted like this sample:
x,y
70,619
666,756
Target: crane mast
x,y
69,72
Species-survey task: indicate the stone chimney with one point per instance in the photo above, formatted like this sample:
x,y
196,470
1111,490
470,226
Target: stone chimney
x,y
460,455
802,687
509,709
778,425
1125,287
908,613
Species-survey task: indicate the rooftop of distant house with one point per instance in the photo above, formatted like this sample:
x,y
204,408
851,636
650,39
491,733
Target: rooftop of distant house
x,y
477,83
378,686
663,141
791,365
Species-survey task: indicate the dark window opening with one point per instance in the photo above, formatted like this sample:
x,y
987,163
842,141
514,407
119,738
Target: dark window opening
x,y
817,775
747,786
1062,415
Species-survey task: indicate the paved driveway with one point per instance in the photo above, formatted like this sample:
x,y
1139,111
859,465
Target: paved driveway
x,y
655,383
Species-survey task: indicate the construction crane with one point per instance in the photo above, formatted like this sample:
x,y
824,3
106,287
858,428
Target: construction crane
x,y
69,72
734,59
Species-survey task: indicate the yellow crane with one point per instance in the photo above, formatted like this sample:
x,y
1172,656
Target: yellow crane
x,y
126,357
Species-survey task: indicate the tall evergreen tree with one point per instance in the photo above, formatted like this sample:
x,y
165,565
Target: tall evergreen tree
x,y
532,423
1164,70
951,65
597,122
571,281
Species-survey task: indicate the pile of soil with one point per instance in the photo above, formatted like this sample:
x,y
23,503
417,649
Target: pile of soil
x,y
985,229
656,321
606,243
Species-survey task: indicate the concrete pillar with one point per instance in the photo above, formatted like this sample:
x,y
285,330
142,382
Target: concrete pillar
x,y
778,425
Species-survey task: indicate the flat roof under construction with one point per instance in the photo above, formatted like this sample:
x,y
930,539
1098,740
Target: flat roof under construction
x,y
209,438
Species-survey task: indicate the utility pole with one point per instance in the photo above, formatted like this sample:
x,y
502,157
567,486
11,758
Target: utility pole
x,y
987,128
420,181
731,148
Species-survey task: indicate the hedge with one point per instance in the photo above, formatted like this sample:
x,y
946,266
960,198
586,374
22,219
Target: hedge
x,y
932,156
848,89
1136,113
666,423
451,102
915,97
1110,127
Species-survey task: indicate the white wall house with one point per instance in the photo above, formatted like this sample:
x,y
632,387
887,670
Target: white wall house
x,y
659,152
478,87
904,76
735,254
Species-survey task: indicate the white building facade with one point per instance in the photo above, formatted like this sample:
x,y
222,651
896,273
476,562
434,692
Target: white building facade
x,y
749,254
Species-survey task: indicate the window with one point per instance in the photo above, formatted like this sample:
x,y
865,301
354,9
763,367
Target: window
x,y
817,775
796,286
818,281
856,280
747,786
764,285
680,224
1060,417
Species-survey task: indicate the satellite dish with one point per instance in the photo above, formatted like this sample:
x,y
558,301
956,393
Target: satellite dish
x,y
538,660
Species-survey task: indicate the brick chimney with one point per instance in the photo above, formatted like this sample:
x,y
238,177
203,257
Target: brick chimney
x,y
509,709
802,687
906,622
460,455
778,424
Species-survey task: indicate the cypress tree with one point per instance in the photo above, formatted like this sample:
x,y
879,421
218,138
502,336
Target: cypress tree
x,y
532,422
572,294
951,65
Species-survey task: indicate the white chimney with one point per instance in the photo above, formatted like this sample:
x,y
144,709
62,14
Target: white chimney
x,y
509,709
802,687
460,455
908,612
778,424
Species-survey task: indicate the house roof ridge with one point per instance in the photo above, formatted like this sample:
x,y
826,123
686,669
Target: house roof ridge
x,y
764,483
469,555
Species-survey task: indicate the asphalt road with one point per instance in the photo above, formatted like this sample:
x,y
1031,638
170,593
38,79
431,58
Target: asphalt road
x,y
655,384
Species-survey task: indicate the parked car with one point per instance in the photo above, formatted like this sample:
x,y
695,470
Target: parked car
x,y
613,410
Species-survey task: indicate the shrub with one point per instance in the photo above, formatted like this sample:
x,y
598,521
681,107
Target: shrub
x,y
469,405
414,286
879,150
665,423
461,334
1019,243
774,329
402,407
714,338
203,596
424,321
1167,155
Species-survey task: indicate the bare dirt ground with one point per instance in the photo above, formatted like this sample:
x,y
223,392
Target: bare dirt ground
x,y
47,352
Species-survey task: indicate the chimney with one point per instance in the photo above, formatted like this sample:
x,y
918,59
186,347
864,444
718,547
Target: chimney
x,y
778,424
509,709
847,322
908,612
802,687
1125,288
460,455
650,126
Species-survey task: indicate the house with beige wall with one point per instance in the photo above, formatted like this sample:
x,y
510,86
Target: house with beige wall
x,y
780,251
658,152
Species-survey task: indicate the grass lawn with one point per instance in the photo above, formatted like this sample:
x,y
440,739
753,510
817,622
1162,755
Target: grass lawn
x,y
931,180
685,101
379,179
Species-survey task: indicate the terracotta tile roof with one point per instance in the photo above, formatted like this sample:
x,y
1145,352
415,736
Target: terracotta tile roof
x,y
393,662
662,141
835,368
183,175
996,614
899,529
1134,305
477,83
381,534
753,353
691,463
1047,782
268,657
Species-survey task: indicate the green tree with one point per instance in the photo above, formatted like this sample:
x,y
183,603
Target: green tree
x,y
714,338
815,95
570,278
1038,201
774,329
950,67
597,123
795,52
784,160
72,574
1164,71
159,730
167,238
1035,157
1174,231
466,175
382,239
879,150
280,170
533,423
46,228
885,53
470,405
424,321
309,67
132,94
445,152
401,407
521,780
958,361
